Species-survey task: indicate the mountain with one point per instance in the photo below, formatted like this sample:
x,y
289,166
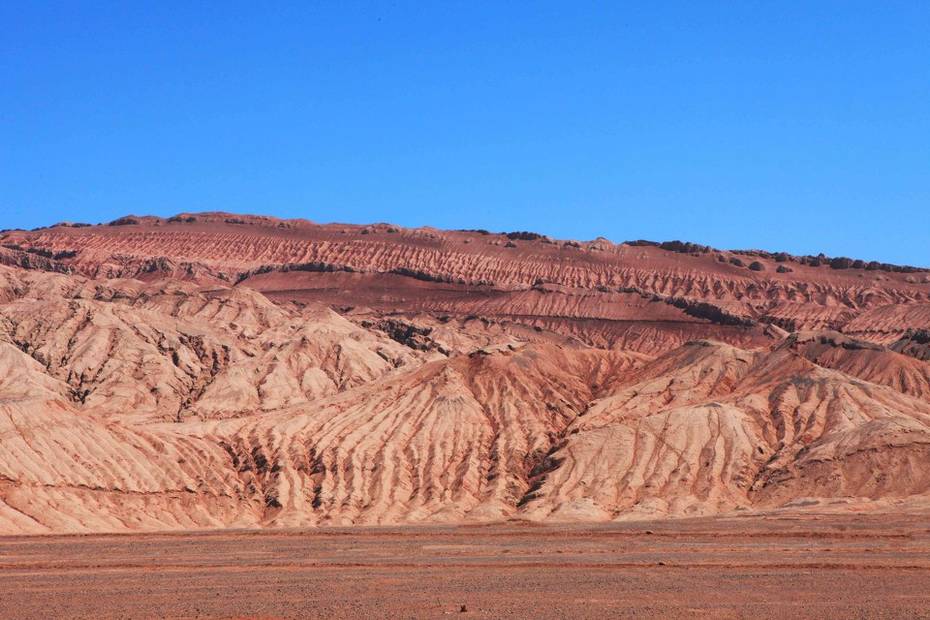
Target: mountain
x,y
215,370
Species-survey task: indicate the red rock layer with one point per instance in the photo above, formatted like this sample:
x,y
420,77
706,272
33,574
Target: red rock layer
x,y
219,371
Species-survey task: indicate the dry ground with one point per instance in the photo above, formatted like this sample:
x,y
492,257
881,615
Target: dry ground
x,y
811,566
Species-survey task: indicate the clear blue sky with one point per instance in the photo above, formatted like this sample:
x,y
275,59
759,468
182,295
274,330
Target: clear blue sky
x,y
798,126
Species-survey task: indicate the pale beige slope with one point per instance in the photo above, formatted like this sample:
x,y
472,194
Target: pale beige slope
x,y
872,362
66,471
452,440
703,430
662,443
168,351
461,434
726,431
536,432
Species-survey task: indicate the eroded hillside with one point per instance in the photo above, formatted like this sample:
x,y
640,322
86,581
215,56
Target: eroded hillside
x,y
212,370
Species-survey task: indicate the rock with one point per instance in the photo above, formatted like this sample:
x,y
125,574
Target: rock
x,y
384,378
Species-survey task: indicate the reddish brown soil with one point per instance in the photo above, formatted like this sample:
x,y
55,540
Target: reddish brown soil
x,y
558,285
798,567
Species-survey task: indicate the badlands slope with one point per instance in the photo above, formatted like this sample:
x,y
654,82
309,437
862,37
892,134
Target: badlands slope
x,y
212,370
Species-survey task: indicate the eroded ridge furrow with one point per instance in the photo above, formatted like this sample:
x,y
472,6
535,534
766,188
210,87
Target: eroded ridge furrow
x,y
810,294
149,382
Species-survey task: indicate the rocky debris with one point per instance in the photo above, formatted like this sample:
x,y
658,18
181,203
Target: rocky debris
x,y
709,311
681,247
407,334
839,262
774,331
915,343
523,235
830,339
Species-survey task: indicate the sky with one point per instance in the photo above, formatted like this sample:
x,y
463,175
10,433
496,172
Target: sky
x,y
788,126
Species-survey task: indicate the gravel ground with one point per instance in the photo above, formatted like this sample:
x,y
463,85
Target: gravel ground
x,y
804,567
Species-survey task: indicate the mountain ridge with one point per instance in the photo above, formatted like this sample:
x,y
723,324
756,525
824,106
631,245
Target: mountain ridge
x,y
205,373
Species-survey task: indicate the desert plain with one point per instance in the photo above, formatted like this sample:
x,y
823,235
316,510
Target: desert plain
x,y
811,566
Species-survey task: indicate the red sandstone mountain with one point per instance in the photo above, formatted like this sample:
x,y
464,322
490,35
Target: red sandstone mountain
x,y
212,370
